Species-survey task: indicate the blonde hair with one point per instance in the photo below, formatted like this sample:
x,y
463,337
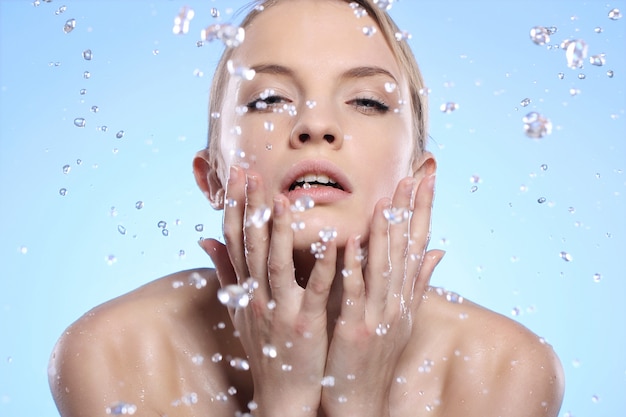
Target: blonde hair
x,y
397,43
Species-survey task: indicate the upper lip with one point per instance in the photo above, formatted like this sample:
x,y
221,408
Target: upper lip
x,y
316,167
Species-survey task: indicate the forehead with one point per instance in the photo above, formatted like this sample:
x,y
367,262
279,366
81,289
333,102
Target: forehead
x,y
317,34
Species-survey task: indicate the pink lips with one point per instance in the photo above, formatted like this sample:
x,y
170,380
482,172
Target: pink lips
x,y
323,193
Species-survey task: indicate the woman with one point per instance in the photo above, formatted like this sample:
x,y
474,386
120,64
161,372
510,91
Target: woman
x,y
327,309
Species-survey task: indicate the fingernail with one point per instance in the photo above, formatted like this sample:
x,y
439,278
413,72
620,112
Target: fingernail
x,y
251,182
409,186
278,206
233,174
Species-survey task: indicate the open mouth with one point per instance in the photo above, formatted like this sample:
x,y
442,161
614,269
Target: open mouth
x,y
314,181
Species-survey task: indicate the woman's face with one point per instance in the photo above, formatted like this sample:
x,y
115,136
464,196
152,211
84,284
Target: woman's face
x,y
328,105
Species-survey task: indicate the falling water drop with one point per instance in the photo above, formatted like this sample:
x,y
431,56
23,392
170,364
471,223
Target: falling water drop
x,y
536,125
615,14
79,122
233,296
540,35
69,26
87,55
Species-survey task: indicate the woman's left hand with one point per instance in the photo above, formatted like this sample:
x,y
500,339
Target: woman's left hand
x,y
380,301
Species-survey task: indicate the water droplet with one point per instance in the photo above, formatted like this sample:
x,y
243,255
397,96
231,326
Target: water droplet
x,y
597,277
403,35
358,11
475,179
311,104
597,60
536,126
595,399
240,364
216,358
609,73
103,129
198,73
162,224
83,91
540,35
327,234
182,21
197,359
286,367
121,229
574,92
199,227
541,200
240,71
382,329
215,115
615,14
270,351
453,297
233,296
231,36
230,202
369,30
581,76
119,134
86,75
474,189
63,192
298,225
384,4
318,249
448,107
269,126
565,256
544,167
396,215
525,102
69,26
165,232
515,311
328,381
215,13
87,55
259,217
60,10
561,75
390,87
110,260
196,280
303,203
121,408
139,205
575,52
79,122
66,169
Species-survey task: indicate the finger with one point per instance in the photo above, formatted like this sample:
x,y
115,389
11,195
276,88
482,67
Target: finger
x,y
319,284
280,259
377,270
219,256
233,221
431,260
353,298
256,234
398,218
419,233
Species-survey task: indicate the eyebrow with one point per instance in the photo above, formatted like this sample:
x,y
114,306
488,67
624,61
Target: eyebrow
x,y
356,72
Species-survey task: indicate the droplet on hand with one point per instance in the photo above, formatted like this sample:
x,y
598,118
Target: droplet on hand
x,y
234,296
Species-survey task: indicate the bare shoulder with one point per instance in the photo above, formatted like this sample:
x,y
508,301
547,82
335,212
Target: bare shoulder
x,y
135,350
495,365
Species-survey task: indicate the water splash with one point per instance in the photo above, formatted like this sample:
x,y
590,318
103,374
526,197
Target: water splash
x,y
234,296
575,52
540,35
230,35
536,126
182,21
615,14
69,25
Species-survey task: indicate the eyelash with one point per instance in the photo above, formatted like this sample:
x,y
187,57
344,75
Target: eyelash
x,y
362,104
369,105
270,102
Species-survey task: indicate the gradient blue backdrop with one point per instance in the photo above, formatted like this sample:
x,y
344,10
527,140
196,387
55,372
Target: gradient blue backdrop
x,y
62,255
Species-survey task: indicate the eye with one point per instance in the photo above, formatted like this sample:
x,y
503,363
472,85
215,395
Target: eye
x,y
266,103
369,105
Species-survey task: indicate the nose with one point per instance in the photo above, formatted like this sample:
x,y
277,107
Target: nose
x,y
316,124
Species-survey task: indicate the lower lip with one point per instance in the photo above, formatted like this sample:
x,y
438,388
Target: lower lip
x,y
321,195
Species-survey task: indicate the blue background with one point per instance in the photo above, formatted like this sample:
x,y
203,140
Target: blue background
x,y
62,255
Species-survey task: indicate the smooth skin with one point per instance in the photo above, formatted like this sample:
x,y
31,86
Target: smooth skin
x,y
358,332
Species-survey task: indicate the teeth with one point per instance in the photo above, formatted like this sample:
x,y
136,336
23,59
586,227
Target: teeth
x,y
321,178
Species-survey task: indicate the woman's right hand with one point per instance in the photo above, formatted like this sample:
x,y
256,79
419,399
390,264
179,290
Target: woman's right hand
x,y
283,329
